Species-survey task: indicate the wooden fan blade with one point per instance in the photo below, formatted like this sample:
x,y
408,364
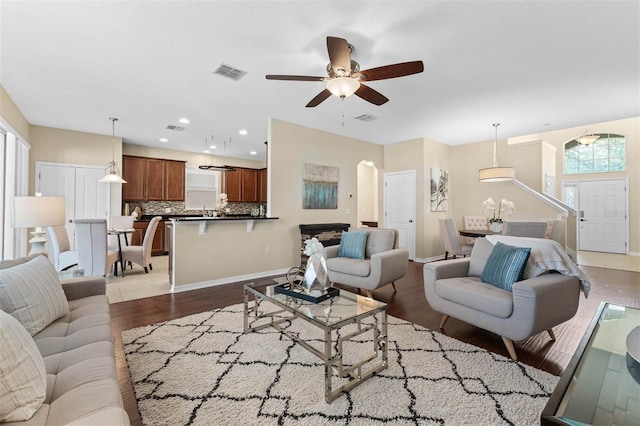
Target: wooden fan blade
x,y
339,55
392,71
319,98
294,77
370,95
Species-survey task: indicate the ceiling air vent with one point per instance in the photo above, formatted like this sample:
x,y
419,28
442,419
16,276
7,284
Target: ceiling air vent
x,y
176,128
366,117
229,72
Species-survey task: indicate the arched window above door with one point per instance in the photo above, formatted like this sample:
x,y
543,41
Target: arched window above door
x,y
605,154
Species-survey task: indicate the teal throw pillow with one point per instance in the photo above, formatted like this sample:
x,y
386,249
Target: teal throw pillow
x,y
352,244
505,265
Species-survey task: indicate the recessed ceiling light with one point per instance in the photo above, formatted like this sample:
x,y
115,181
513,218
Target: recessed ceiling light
x,y
213,147
253,153
243,132
184,121
164,140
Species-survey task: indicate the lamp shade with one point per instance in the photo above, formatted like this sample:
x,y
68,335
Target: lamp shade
x,y
112,177
343,86
587,139
497,174
32,212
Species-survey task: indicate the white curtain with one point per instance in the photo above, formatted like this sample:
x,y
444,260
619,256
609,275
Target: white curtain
x,y
14,169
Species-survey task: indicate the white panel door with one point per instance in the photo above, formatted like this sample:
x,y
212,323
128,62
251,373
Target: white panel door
x,y
92,196
58,181
603,216
399,207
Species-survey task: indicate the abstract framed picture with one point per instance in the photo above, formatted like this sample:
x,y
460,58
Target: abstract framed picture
x,y
319,187
439,190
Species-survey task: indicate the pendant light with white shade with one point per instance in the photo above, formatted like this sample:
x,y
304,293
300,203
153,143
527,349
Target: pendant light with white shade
x,y
496,173
113,172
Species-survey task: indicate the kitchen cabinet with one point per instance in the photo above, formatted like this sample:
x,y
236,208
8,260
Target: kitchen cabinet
x,y
152,179
262,185
249,185
233,185
155,180
137,238
133,171
175,176
242,185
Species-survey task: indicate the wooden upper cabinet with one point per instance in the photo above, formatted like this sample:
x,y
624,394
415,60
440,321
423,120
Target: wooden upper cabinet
x,y
175,175
133,171
152,179
262,185
249,185
155,180
233,185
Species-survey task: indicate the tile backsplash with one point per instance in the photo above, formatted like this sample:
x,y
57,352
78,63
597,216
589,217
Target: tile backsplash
x,y
177,207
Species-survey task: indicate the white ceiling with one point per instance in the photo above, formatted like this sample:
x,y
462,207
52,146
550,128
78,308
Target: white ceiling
x,y
532,66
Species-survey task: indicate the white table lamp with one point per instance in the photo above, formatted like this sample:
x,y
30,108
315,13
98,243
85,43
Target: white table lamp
x,y
36,212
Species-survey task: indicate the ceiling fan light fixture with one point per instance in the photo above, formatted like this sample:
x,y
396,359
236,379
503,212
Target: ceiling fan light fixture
x,y
112,170
343,87
587,138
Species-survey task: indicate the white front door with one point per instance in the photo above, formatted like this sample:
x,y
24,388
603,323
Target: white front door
x,y
602,220
399,207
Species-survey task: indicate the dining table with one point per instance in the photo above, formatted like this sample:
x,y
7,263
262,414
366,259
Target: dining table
x,y
476,233
119,233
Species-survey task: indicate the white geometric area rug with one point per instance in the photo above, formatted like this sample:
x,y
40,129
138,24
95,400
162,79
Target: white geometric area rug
x,y
202,370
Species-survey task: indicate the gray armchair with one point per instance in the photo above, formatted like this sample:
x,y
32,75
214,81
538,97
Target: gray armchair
x,y
454,288
383,264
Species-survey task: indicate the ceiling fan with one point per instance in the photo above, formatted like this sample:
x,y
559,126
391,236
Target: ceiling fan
x,y
345,77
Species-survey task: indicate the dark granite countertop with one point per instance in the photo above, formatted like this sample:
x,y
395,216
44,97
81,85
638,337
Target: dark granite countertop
x,y
148,217
221,218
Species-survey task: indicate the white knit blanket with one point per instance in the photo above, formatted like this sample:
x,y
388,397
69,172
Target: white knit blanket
x,y
546,255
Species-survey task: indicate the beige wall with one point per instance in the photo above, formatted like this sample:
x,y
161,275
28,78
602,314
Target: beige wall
x,y
468,193
367,182
227,250
12,115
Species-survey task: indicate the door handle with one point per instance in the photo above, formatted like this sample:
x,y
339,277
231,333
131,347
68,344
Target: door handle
x,y
583,220
410,220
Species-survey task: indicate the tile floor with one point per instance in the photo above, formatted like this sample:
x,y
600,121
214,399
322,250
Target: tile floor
x,y
137,285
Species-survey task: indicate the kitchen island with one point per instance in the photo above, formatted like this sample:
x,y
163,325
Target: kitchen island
x,y
206,251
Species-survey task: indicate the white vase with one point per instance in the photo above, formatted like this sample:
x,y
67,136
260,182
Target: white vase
x,y
496,226
315,276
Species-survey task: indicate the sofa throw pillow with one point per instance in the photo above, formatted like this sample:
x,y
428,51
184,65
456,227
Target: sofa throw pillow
x,y
352,244
32,294
23,378
505,265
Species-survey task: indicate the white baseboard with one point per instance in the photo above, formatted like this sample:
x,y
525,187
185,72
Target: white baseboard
x,y
228,280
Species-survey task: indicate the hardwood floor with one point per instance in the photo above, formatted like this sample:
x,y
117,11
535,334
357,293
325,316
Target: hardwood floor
x,y
408,303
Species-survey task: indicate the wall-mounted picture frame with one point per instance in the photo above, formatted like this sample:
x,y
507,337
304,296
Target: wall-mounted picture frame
x,y
439,190
319,187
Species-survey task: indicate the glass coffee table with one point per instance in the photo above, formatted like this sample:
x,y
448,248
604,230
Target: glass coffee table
x,y
601,384
361,315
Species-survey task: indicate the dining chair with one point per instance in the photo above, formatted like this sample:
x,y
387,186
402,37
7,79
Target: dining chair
x,y
63,256
142,254
474,223
94,258
119,223
452,240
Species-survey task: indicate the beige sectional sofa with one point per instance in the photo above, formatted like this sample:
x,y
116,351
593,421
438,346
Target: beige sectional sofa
x,y
69,322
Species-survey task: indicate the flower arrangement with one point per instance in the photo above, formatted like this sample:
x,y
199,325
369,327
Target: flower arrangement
x,y
222,202
312,246
506,207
